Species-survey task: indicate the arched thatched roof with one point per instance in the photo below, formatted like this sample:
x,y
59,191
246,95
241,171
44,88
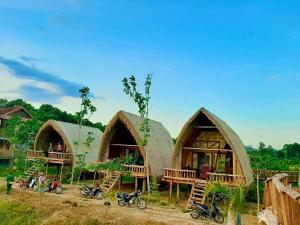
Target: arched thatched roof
x,y
69,134
160,144
228,133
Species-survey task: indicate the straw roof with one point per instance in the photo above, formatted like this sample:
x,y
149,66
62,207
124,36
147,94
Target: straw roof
x,y
160,144
69,133
228,133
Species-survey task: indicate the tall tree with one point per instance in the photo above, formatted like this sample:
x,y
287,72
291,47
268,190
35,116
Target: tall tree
x,y
142,101
87,109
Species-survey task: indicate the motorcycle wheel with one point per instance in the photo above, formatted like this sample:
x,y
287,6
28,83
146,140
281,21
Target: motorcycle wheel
x,y
59,190
219,218
99,195
141,204
121,203
195,214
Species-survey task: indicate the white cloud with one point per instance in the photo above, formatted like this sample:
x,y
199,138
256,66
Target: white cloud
x,y
11,86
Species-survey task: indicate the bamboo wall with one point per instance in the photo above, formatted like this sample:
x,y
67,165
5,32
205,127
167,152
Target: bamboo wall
x,y
282,200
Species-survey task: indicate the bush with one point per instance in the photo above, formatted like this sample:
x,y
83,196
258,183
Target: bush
x,y
164,203
251,194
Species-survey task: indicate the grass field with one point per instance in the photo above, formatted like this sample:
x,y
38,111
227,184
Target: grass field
x,y
4,169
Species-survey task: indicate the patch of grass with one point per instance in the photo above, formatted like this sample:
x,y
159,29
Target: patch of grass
x,y
164,203
16,214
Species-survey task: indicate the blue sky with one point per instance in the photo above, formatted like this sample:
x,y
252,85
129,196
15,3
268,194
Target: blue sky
x,y
239,59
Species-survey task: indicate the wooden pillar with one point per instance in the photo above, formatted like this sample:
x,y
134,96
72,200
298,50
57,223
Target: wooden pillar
x,y
170,194
144,185
178,191
95,173
47,169
135,183
61,171
120,181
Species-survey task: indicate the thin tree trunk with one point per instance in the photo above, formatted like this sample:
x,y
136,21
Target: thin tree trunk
x,y
257,192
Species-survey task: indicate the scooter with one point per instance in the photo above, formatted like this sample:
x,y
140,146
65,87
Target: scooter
x,y
130,199
200,210
87,191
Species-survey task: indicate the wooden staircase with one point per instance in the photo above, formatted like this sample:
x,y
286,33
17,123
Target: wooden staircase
x,y
110,181
30,172
197,192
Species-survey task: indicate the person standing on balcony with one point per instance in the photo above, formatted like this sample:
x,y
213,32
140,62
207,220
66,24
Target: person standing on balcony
x,y
50,149
60,147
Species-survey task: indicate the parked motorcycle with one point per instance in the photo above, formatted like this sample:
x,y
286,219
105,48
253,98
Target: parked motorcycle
x,y
200,210
131,199
87,191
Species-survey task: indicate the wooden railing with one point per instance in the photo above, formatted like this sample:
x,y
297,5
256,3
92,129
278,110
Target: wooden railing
x,y
59,156
135,171
179,176
265,174
32,154
229,179
282,200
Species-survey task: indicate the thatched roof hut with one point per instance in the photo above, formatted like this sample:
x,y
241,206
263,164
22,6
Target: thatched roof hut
x,y
54,131
204,122
123,130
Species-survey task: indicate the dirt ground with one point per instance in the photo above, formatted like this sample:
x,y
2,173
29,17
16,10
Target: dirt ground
x,y
70,208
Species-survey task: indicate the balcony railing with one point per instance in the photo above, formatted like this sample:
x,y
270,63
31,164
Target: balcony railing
x,y
179,176
136,171
31,154
59,157
229,179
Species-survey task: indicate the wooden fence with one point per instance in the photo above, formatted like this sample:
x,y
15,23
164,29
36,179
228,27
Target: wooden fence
x,y
282,200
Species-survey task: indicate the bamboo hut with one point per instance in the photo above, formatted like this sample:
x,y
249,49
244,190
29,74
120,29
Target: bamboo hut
x,y
207,149
122,137
65,134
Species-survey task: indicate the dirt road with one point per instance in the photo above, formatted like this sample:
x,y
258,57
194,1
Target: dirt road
x,y
70,208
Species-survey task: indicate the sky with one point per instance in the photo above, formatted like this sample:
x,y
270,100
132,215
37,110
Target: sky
x,y
238,59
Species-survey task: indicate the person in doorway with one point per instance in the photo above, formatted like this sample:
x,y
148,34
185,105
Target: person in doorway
x,y
60,147
10,180
50,149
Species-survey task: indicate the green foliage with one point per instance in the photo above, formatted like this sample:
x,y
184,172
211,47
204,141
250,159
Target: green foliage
x,y
154,185
39,163
87,109
142,100
251,194
113,165
15,214
268,158
231,198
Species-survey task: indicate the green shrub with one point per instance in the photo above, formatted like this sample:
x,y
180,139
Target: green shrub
x,y
164,203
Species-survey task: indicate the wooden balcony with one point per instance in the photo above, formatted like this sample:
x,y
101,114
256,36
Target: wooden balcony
x,y
59,157
136,171
189,177
53,157
32,154
228,179
179,176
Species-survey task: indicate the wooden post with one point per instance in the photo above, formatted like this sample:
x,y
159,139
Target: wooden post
x,y
178,191
47,169
61,171
120,180
144,185
136,183
170,194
